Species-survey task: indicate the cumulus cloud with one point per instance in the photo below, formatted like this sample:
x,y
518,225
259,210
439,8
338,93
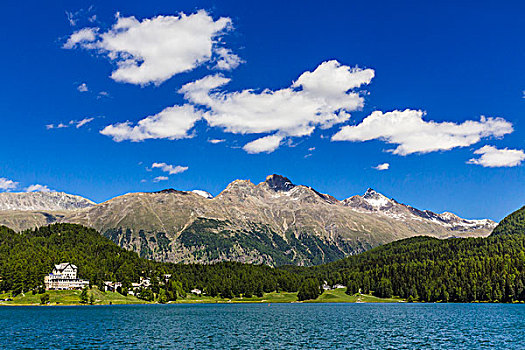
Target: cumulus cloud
x,y
265,144
383,166
320,98
160,178
492,157
412,134
83,87
6,184
37,188
83,37
171,123
227,60
170,169
153,50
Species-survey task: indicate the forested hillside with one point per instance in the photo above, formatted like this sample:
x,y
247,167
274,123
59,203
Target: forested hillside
x,y
419,269
512,224
27,257
429,269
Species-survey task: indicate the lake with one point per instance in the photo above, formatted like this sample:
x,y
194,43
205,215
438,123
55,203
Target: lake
x,y
263,326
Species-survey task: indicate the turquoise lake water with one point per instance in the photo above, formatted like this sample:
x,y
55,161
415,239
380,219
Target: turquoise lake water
x,y
263,326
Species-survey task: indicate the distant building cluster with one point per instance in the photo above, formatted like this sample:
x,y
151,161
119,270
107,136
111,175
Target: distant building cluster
x,y
326,286
64,277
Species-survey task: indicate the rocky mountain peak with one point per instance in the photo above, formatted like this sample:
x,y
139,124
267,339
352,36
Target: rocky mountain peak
x,y
279,183
371,193
375,199
170,191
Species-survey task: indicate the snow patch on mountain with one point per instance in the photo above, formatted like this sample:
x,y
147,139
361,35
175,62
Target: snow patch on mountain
x,y
375,199
202,193
375,203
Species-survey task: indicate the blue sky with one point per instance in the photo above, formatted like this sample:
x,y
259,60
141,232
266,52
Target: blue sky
x,y
403,83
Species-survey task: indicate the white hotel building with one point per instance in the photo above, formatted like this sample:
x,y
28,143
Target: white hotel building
x,y
64,276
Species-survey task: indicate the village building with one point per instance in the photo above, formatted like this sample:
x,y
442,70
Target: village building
x,y
64,277
110,286
144,283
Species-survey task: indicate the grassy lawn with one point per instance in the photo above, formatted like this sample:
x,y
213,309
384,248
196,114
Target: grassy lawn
x,y
281,297
329,296
70,297
339,296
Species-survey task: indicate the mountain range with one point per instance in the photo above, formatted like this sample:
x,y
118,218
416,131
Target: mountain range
x,y
274,222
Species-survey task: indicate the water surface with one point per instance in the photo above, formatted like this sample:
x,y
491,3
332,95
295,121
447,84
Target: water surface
x,y
263,326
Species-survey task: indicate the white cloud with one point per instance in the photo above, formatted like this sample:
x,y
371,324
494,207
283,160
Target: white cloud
x,y
412,134
216,141
170,169
57,126
265,144
381,167
81,123
71,18
103,94
311,149
83,37
171,123
320,98
491,157
82,87
227,59
37,188
6,184
155,49
81,15
76,123
160,178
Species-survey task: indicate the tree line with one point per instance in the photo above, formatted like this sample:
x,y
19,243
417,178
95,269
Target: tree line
x,y
419,269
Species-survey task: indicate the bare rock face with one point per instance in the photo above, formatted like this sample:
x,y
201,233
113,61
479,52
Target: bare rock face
x,y
25,210
48,201
279,183
275,222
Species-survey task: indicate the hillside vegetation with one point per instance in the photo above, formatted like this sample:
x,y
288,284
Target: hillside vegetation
x,y
513,224
428,269
417,269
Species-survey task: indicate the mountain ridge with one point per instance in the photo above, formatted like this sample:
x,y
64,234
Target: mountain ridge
x,y
50,201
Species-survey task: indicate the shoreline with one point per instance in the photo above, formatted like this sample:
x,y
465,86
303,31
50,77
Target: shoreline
x,y
72,298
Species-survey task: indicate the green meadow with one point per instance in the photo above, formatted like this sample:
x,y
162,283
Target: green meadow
x,y
72,297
